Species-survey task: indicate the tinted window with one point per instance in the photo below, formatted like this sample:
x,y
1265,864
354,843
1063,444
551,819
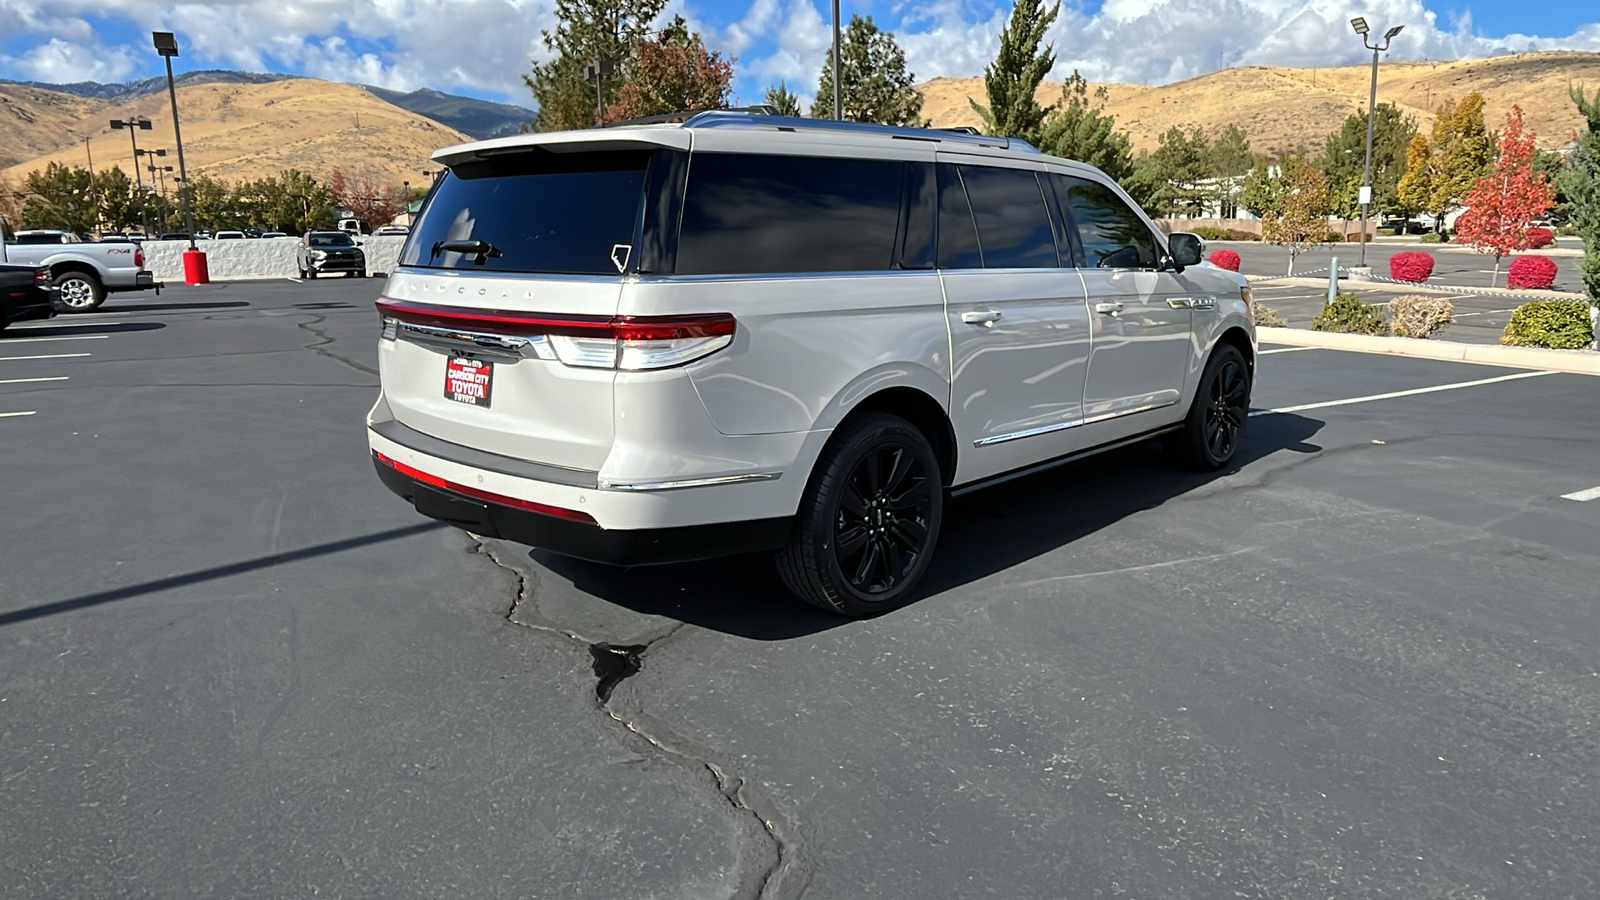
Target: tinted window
x,y
1013,222
39,239
750,214
958,238
542,212
324,241
1113,235
917,251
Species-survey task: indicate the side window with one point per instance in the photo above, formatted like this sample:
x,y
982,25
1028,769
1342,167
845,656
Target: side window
x,y
958,238
917,249
1013,221
747,214
1113,236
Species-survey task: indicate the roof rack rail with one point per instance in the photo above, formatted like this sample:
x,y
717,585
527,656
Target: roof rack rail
x,y
760,109
961,129
729,118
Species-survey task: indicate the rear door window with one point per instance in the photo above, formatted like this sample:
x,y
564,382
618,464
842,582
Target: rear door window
x,y
958,237
1113,235
1013,221
534,211
751,214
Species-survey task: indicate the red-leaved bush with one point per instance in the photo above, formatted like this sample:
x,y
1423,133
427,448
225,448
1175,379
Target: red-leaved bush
x,y
1411,265
1540,237
1225,259
1532,272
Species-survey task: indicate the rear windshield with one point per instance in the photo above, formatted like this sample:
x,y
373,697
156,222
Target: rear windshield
x,y
318,240
535,211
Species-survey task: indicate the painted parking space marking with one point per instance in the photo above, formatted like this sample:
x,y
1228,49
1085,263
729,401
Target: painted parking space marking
x,y
1583,496
44,356
32,380
54,324
67,337
1288,350
12,415
1393,394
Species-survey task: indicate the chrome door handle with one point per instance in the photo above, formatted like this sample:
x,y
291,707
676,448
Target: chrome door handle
x,y
1109,309
984,317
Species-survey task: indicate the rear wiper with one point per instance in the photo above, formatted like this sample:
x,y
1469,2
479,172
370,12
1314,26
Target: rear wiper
x,y
480,250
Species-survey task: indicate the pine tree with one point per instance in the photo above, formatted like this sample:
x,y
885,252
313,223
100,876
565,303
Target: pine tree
x,y
1344,155
1502,205
874,85
1581,184
1181,163
587,31
780,99
1078,129
60,197
1013,78
1231,160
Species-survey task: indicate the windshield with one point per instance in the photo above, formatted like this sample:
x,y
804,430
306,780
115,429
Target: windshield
x,y
534,211
330,240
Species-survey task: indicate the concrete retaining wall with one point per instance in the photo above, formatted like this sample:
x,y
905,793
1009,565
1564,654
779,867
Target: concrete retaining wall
x,y
241,260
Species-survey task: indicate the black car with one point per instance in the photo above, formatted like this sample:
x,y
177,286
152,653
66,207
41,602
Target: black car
x,y
329,251
25,293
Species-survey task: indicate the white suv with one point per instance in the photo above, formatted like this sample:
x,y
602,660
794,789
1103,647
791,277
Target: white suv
x,y
740,333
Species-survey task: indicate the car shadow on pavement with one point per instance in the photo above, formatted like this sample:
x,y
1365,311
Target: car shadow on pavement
x,y
66,328
983,533
161,307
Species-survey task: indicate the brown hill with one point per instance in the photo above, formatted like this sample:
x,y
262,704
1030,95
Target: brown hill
x,y
1280,108
231,131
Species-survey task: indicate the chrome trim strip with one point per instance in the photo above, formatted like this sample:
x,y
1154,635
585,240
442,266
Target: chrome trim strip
x,y
1059,461
409,437
452,339
1117,414
1031,432
688,483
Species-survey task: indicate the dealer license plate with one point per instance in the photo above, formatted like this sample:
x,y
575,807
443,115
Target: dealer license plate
x,y
468,380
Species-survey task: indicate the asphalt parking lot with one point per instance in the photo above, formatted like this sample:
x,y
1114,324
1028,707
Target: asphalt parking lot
x,y
1358,665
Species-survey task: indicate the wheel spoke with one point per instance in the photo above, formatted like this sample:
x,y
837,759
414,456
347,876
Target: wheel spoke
x,y
910,533
893,565
869,563
872,469
849,540
898,467
913,497
851,501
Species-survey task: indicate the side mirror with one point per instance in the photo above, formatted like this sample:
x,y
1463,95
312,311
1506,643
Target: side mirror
x,y
1184,249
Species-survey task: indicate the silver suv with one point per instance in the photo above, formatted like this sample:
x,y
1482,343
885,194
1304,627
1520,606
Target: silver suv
x,y
742,333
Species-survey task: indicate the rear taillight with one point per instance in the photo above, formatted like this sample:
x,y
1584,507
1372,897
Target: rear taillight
x,y
628,343
138,257
41,276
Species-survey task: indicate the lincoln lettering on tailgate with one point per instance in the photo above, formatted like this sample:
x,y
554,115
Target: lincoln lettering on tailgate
x,y
467,380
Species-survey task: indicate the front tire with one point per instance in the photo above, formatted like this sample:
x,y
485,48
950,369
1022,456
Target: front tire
x,y
79,292
868,521
1214,428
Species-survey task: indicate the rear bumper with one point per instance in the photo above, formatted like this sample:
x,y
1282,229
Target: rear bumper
x,y
584,539
24,304
337,265
144,280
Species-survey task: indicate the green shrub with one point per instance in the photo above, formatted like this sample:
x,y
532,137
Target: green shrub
x,y
1559,324
1419,315
1433,237
1348,314
1388,232
1212,233
1333,237
1566,231
1267,316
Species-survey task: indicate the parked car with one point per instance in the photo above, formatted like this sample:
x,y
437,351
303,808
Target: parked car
x,y
230,236
26,292
175,236
82,272
329,251
798,336
388,230
272,234
252,232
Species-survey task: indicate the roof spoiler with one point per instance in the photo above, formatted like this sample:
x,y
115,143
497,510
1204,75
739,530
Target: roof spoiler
x,y
687,114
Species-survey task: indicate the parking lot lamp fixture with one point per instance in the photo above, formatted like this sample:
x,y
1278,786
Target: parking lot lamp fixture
x,y
167,45
134,126
1360,25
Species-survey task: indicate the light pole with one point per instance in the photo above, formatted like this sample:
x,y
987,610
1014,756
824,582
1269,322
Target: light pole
x,y
195,270
134,126
595,71
1360,25
838,112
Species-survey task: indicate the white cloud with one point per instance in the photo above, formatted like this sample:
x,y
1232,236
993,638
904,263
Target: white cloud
x,y
61,62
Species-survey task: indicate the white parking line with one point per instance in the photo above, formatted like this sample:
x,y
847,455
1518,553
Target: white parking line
x,y
1287,350
14,414
68,337
55,324
31,380
1389,396
1580,496
44,356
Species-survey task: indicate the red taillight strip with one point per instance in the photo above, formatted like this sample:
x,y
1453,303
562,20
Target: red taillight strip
x,y
511,322
486,496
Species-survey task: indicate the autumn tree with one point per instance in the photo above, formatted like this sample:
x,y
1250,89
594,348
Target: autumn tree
x,y
1079,128
1414,190
874,85
1502,205
587,31
781,99
1456,156
1010,82
367,196
1303,221
671,73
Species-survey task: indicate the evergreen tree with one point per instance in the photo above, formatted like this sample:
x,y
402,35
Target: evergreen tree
x,y
673,73
119,202
874,85
1012,80
1182,162
60,197
1231,161
1081,130
1344,156
1581,185
780,99
586,31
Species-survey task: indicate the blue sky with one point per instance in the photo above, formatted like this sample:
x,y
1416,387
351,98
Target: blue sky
x,y
482,47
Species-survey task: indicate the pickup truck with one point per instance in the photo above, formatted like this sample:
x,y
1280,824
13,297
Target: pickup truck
x,y
83,273
25,293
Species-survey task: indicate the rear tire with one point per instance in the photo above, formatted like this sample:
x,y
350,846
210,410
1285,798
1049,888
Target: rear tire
x,y
1214,428
79,292
868,521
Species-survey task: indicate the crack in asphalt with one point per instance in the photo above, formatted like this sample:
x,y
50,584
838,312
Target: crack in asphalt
x,y
321,349
780,875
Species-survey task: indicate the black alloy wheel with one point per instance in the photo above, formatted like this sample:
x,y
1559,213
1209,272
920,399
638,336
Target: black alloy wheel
x,y
1214,428
869,519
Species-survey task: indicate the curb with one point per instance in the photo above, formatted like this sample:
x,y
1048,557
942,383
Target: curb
x,y
1576,362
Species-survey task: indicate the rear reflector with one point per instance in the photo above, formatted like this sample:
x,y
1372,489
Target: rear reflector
x,y
486,496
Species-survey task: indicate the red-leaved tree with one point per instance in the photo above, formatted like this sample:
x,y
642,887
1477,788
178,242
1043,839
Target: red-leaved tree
x,y
1502,205
367,197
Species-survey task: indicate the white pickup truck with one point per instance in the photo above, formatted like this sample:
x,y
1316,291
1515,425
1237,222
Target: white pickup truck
x,y
83,272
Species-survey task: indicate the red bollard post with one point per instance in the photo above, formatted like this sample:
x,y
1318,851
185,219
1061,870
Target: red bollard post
x,y
195,269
